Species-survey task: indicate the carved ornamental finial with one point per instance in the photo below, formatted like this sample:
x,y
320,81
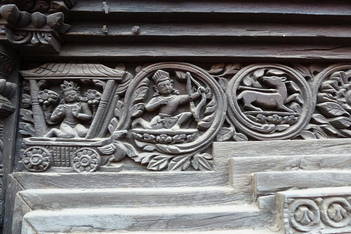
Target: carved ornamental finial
x,y
33,29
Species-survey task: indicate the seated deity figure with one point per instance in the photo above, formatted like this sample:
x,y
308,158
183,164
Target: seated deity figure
x,y
71,114
167,101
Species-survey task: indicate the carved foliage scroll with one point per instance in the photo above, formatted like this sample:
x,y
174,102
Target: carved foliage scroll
x,y
333,105
173,111
166,115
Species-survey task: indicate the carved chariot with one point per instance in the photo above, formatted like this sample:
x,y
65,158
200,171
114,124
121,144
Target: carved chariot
x,y
63,133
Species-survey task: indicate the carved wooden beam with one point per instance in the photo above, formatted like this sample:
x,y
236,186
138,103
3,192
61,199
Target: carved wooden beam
x,y
35,30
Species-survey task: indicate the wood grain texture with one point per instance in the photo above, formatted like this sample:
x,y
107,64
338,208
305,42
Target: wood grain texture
x,y
265,183
196,51
146,218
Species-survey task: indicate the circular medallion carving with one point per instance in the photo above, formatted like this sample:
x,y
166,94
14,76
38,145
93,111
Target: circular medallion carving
x,y
269,101
173,108
36,159
304,215
333,108
336,212
86,160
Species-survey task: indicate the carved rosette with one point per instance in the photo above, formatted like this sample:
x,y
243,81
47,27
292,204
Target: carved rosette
x,y
269,101
86,160
172,126
36,159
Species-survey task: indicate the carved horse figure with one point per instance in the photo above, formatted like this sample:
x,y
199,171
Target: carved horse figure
x,y
261,97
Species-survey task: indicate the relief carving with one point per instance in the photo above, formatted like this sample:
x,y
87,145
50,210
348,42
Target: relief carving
x,y
331,214
42,5
33,29
269,101
331,118
166,115
173,111
165,120
65,108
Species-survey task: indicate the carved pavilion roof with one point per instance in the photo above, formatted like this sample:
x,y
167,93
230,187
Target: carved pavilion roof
x,y
73,71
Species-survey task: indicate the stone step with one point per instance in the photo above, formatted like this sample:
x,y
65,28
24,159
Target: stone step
x,y
180,218
126,197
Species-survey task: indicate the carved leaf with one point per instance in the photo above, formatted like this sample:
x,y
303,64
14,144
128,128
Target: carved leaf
x,y
206,122
331,109
141,90
331,130
180,163
307,135
113,125
26,101
341,122
211,106
329,84
171,149
137,109
325,97
231,69
216,69
320,119
158,163
144,157
202,162
26,129
225,133
26,115
240,137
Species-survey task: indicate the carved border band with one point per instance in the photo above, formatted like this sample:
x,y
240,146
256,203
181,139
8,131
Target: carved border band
x,y
325,210
166,115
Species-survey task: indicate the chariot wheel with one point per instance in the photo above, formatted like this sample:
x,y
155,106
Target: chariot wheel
x,y
86,160
36,159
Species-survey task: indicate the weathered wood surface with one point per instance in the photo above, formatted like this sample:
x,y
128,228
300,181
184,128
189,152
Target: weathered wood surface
x,y
295,8
265,183
126,197
206,31
320,201
199,52
121,180
147,218
283,147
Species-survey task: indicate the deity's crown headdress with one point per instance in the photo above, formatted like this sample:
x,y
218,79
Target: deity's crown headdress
x,y
69,85
160,76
